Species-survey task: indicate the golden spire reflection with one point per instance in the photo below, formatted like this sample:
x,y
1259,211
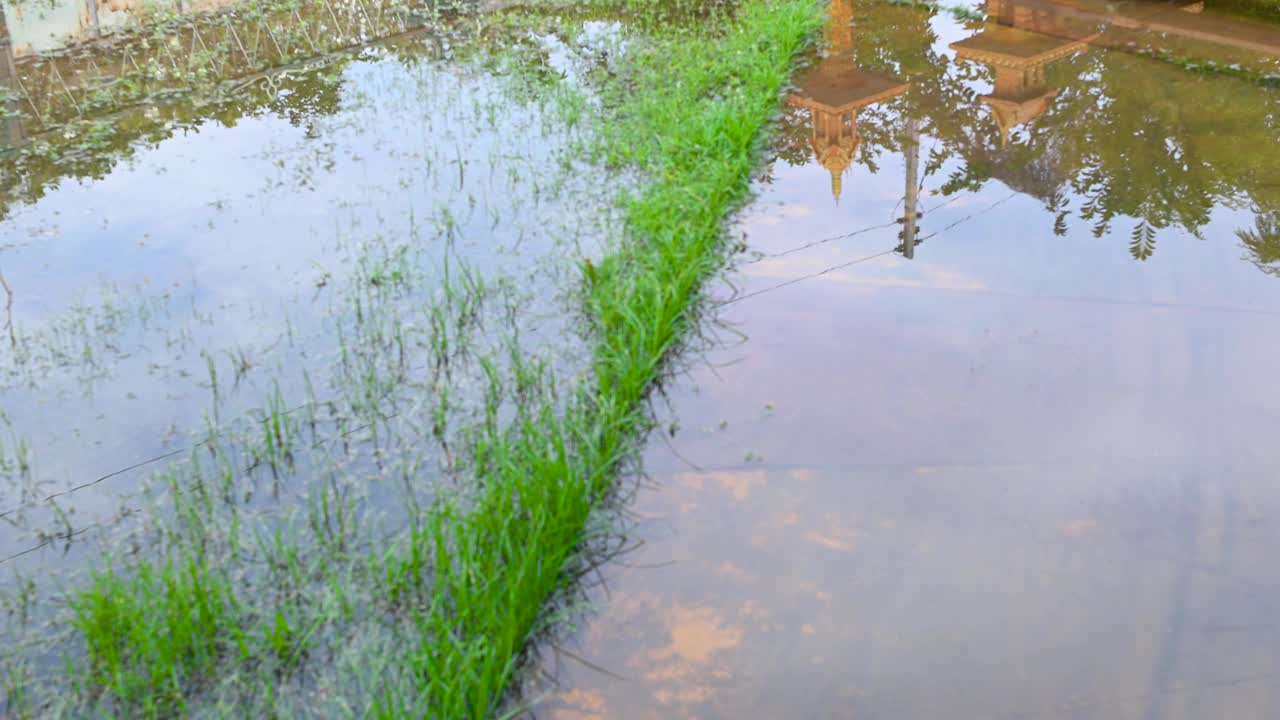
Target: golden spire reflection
x,y
834,90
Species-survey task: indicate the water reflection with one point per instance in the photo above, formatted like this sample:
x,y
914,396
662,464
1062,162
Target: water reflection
x,y
145,304
1182,26
1263,243
1018,59
832,92
77,111
1021,475
1099,137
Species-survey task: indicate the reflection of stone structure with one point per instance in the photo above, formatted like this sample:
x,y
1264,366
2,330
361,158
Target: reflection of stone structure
x,y
834,90
1021,92
1180,25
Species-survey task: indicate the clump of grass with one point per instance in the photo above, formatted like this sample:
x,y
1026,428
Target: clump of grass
x,y
157,633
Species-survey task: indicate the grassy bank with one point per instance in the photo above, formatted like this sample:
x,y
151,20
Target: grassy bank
x,y
688,109
464,588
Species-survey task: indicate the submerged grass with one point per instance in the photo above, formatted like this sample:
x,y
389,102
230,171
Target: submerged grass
x,y
466,586
153,635
686,108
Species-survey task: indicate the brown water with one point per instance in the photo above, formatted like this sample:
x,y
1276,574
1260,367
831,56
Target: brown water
x,y
1013,459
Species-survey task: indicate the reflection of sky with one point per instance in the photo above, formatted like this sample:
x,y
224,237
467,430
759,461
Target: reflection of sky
x,y
1021,475
1018,476
223,234
38,26
1001,240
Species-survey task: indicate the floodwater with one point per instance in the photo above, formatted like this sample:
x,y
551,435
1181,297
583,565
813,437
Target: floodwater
x,y
188,227
262,266
986,422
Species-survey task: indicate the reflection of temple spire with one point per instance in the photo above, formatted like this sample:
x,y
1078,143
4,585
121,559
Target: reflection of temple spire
x,y
834,139
834,90
1132,25
1021,92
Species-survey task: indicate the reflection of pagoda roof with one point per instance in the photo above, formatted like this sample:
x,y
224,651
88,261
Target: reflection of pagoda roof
x,y
838,85
1012,113
1000,45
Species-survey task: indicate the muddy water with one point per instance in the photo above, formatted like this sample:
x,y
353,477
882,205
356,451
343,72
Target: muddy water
x,y
986,427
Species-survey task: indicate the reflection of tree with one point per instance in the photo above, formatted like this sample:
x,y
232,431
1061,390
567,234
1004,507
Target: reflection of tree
x,y
1137,138
890,41
1263,243
1267,9
1125,136
27,174
92,148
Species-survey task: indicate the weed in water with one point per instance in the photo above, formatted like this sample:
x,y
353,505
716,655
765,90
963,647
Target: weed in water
x,y
154,636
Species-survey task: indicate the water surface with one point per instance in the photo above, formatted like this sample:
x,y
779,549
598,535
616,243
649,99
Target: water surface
x,y
200,209
985,428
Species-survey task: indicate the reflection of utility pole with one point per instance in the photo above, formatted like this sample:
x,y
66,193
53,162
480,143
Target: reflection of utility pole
x,y
10,121
911,196
8,311
92,6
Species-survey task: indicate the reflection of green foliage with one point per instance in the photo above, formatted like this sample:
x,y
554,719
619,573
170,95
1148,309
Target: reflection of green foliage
x,y
1127,135
895,38
1269,9
1263,243
791,144
1142,241
1165,146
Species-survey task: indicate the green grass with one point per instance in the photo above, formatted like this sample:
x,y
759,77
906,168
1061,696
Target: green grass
x,y
154,635
467,586
690,112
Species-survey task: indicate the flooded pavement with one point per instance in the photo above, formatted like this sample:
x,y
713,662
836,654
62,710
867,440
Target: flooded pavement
x,y
985,426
